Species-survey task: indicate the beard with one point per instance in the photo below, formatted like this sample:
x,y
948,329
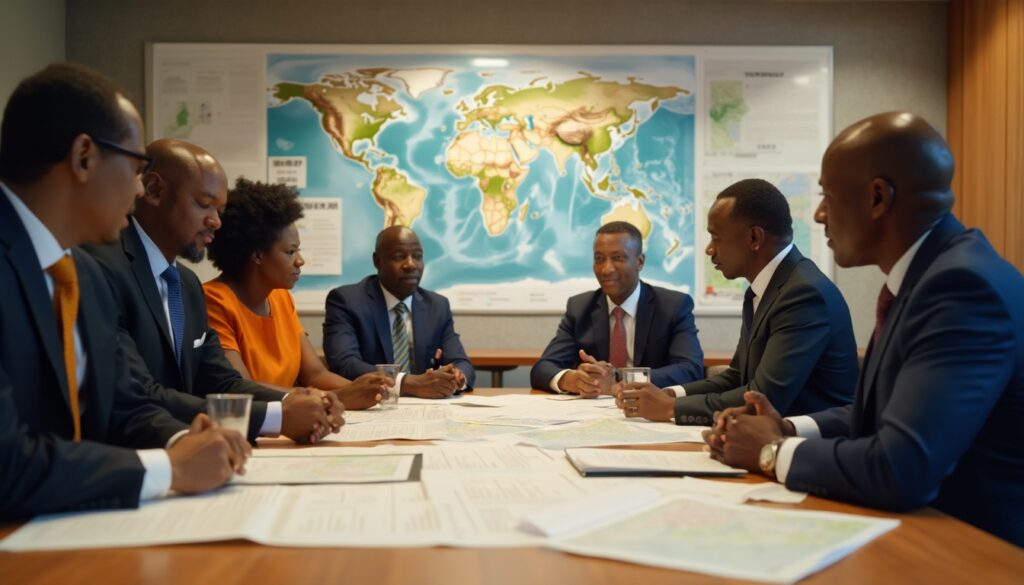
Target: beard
x,y
193,254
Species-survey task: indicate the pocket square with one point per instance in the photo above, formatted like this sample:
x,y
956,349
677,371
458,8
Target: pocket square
x,y
199,342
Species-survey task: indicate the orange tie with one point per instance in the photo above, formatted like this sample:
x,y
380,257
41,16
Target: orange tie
x,y
65,305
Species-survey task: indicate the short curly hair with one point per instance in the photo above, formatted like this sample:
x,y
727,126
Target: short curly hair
x,y
255,216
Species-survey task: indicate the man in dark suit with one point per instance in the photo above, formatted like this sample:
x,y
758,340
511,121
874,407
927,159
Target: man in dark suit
x,y
796,342
936,417
366,322
624,323
75,431
177,215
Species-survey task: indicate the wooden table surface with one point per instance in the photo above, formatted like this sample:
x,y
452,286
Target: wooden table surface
x,y
928,547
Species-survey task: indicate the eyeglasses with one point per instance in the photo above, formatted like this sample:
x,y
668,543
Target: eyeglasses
x,y
122,150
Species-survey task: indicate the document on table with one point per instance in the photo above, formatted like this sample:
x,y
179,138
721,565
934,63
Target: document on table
x,y
596,433
706,536
478,457
631,462
413,430
383,515
365,468
404,413
485,509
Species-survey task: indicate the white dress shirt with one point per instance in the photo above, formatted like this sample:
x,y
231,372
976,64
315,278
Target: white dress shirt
x,y
805,426
158,264
759,285
156,481
628,321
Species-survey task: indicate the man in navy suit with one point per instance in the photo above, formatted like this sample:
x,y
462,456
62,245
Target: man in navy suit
x,y
796,340
76,431
184,191
368,321
937,412
624,323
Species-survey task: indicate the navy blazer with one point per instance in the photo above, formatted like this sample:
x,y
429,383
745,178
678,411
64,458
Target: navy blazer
x,y
147,341
357,334
800,351
665,338
938,410
41,468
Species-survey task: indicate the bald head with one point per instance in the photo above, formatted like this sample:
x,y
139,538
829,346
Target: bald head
x,y
904,150
885,180
185,190
398,258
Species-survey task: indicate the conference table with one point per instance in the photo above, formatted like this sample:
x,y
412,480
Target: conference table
x,y
927,547
499,361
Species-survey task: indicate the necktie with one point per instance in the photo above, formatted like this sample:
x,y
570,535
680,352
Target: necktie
x,y
65,306
174,307
885,298
748,311
617,350
400,338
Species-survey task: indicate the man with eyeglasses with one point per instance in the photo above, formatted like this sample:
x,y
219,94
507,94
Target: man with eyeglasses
x,y
75,431
168,343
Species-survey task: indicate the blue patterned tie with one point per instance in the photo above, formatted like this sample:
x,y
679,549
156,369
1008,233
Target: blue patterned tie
x,y
174,307
400,338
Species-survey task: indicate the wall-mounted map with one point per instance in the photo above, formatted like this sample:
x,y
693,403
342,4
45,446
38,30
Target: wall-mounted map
x,y
505,160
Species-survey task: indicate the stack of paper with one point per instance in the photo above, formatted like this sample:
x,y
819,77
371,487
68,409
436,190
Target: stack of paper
x,y
632,462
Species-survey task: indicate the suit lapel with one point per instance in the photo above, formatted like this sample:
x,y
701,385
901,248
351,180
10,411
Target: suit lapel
x,y
943,231
764,306
419,333
599,320
143,274
23,257
642,323
90,319
380,318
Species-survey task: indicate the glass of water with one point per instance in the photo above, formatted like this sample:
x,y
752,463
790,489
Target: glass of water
x,y
390,399
230,411
635,375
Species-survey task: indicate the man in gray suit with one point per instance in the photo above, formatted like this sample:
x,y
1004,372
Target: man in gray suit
x,y
796,343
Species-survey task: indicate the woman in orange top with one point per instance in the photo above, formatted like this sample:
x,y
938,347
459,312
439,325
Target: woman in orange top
x,y
257,251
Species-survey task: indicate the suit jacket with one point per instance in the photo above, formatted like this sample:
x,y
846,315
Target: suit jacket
x,y
800,351
937,414
41,468
665,338
148,344
357,333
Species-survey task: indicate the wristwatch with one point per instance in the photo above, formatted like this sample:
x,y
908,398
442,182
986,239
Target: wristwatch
x,y
769,454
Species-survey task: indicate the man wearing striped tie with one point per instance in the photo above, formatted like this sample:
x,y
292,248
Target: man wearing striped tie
x,y
75,431
388,318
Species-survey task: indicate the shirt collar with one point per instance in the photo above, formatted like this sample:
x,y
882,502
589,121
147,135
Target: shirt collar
x,y
760,283
391,300
157,262
48,250
628,305
894,280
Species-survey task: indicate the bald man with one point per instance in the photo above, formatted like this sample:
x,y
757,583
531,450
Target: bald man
x,y
164,332
936,416
365,319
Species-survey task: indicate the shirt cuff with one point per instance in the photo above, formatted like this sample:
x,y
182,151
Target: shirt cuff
x,y
554,382
679,390
398,381
805,427
784,457
156,481
174,438
272,423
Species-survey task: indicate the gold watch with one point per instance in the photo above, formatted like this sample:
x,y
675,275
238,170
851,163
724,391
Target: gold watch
x,y
769,455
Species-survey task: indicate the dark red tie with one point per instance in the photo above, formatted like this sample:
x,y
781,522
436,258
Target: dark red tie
x,y
885,298
617,351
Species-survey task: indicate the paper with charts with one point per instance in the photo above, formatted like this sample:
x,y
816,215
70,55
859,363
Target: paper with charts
x,y
368,468
705,536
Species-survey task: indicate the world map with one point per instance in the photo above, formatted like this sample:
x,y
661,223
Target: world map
x,y
504,167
